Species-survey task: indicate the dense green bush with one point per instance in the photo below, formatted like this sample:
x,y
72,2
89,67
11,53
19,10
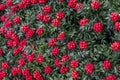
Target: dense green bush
x,y
60,40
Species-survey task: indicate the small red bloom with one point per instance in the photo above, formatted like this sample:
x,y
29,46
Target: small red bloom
x,y
17,19
71,45
61,36
2,74
5,65
83,45
56,22
65,58
30,57
115,45
14,8
111,77
78,6
98,27
57,62
46,9
40,16
40,31
30,33
106,64
60,15
21,5
1,51
36,74
26,72
117,26
83,21
21,62
46,18
55,51
95,5
63,69
25,28
74,74
48,69
52,42
61,0
42,1
34,1
2,7
9,3
40,58
74,64
114,16
72,3
89,67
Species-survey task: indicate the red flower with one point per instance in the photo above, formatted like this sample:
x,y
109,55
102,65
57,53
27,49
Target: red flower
x,y
115,45
60,15
74,74
9,3
61,0
63,69
74,64
46,9
72,3
1,51
57,62
36,74
83,45
48,69
30,33
34,1
83,21
46,18
21,5
117,26
78,6
29,77
26,72
40,31
89,67
40,16
21,62
40,58
2,74
114,16
2,7
30,57
56,22
111,77
71,45
8,24
55,51
5,65
61,36
17,19
3,18
16,51
65,58
16,70
106,64
52,42
25,28
42,1
98,27
95,5
14,8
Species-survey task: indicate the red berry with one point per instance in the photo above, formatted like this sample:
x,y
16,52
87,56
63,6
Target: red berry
x,y
56,22
117,26
40,31
17,19
114,16
115,45
55,51
40,58
74,74
46,9
63,69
